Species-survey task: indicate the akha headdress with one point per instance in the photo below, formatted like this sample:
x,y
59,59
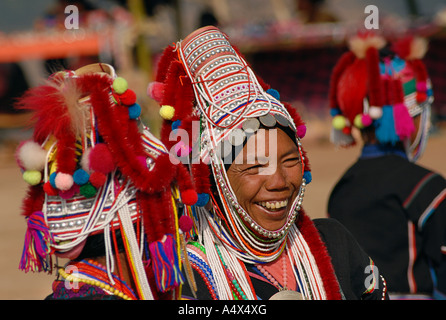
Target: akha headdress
x,y
384,87
94,168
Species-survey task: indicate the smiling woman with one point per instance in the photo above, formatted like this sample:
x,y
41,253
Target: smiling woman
x,y
248,236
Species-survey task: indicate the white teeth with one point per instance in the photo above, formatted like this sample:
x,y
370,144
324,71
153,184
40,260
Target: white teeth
x,y
274,205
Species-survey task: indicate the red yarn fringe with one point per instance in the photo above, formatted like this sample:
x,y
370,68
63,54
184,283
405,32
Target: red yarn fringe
x,y
346,59
33,200
374,77
320,253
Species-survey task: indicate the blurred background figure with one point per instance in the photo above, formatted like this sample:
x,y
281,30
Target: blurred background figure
x,y
394,208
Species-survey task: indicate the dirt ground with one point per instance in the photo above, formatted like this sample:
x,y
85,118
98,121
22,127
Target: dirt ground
x,y
327,166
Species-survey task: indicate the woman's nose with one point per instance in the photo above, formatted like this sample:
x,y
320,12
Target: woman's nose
x,y
277,179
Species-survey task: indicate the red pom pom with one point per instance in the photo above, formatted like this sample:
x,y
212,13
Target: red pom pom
x,y
49,189
68,194
97,179
185,223
189,197
347,130
128,97
421,97
101,159
301,131
155,90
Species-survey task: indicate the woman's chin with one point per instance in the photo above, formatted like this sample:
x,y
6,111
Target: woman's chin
x,y
73,253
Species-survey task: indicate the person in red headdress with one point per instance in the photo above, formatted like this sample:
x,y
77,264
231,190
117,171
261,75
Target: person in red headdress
x,y
102,192
395,208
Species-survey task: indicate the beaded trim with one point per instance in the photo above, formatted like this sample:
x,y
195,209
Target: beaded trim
x,y
68,217
197,258
99,280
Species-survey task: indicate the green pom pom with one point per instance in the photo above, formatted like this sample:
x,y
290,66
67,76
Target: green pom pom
x,y
358,121
339,122
32,177
120,85
87,190
167,112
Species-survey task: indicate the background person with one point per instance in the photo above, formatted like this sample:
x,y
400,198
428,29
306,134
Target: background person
x,y
395,208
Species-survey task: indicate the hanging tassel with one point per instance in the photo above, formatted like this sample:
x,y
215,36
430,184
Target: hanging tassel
x,y
37,245
185,224
404,125
385,127
165,264
340,139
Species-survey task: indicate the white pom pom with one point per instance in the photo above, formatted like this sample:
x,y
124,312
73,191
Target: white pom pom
x,y
360,44
375,112
418,48
31,156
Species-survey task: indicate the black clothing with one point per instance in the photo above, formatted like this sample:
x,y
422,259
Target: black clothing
x,y
396,210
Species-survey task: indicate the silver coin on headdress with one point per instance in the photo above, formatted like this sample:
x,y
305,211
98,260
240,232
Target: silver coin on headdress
x,y
251,125
282,120
268,120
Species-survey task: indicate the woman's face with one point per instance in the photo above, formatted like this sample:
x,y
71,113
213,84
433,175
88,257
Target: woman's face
x,y
266,179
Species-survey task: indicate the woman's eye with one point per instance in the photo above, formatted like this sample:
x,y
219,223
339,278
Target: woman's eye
x,y
292,161
253,168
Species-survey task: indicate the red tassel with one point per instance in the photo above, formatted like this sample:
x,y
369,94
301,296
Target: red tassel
x,y
402,47
188,194
172,83
33,200
184,97
420,70
49,112
346,59
200,172
374,78
169,54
